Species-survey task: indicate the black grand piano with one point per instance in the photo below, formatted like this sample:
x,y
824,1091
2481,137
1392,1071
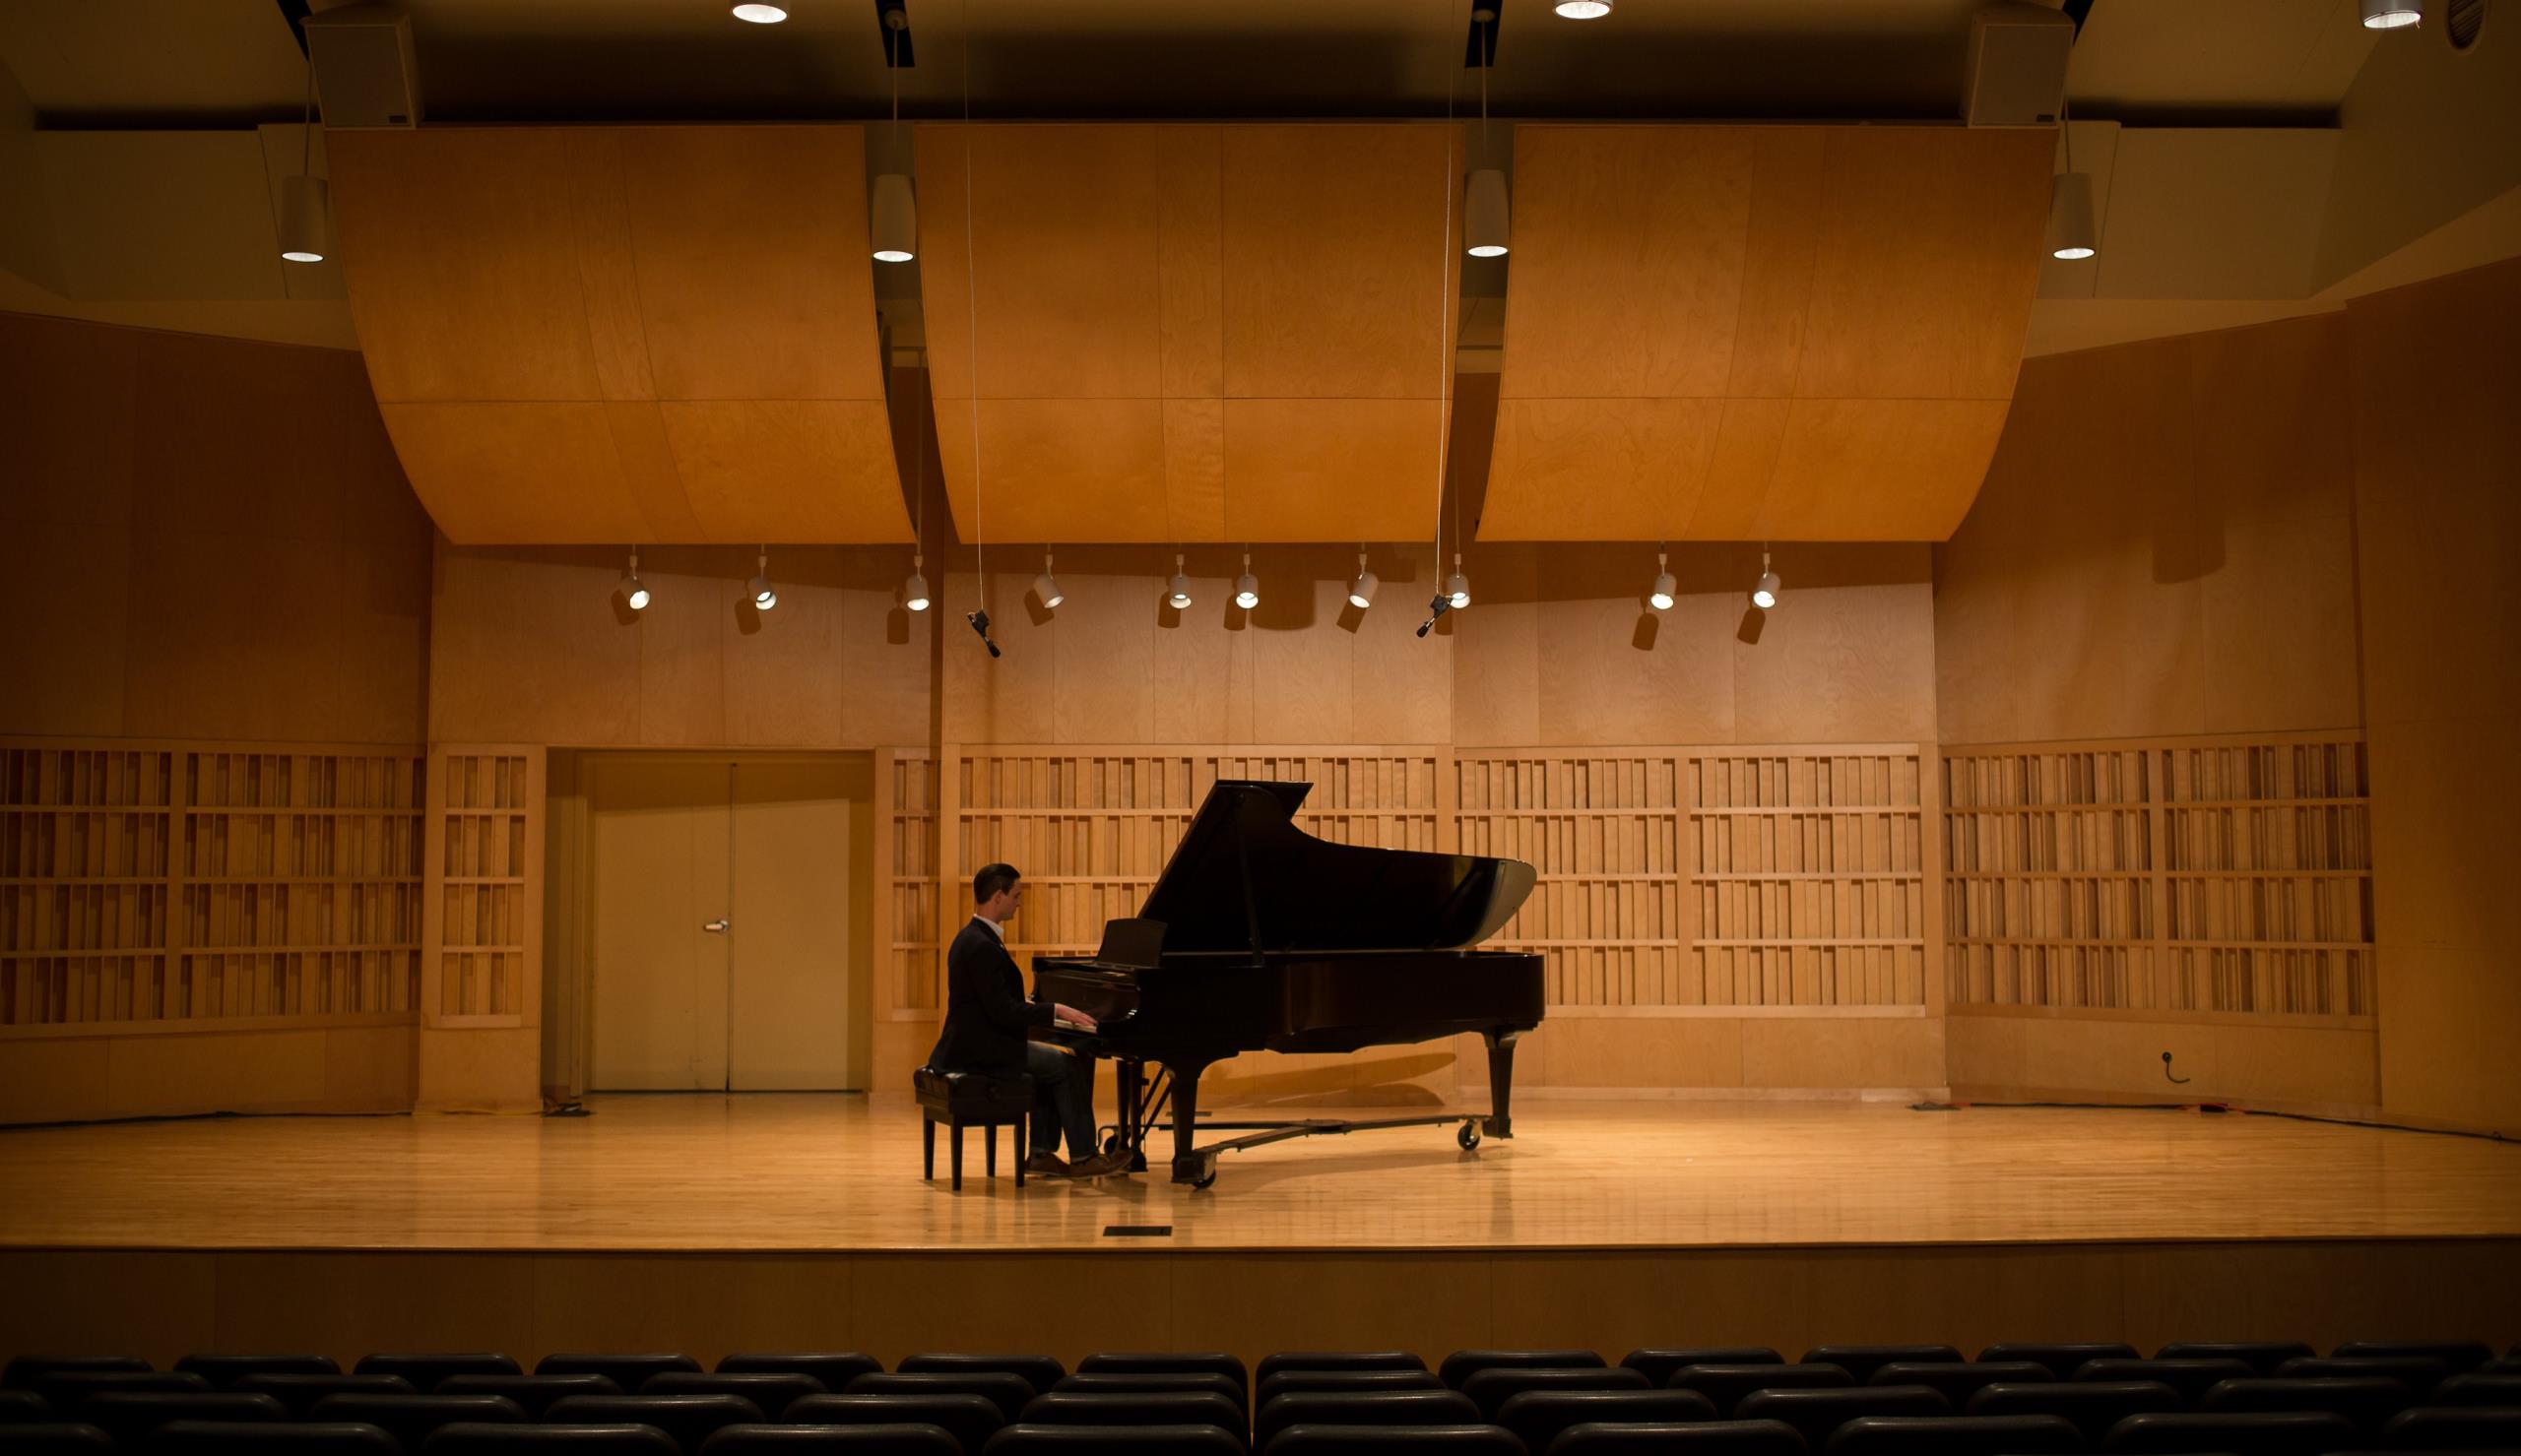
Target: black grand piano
x,y
1259,936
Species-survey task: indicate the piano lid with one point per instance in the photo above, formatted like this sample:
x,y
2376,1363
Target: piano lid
x,y
1308,894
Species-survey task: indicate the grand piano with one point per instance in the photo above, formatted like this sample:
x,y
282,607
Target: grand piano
x,y
1259,936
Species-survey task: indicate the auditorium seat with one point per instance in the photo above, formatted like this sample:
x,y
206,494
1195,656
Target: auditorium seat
x,y
1861,1360
2261,1355
2454,1429
1003,1388
535,1393
628,1371
426,1371
2241,1434
2062,1360
258,1437
774,1393
55,1438
1181,1363
491,1439
1119,1440
2478,1390
835,1368
2460,1355
1816,1414
1490,1389
1461,1364
1727,1384
1138,1407
1537,1416
2369,1401
410,1419
129,1415
1155,1382
26,1371
1337,1360
1038,1372
300,1393
971,1419
1291,1382
1366,1408
1657,1366
1955,1436
22,1408
2419,1372
1689,1438
223,1371
687,1419
1393,1440
1957,1380
909,1439
63,1390
2190,1377
2095,1405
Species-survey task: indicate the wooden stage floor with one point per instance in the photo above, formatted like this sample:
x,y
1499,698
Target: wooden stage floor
x,y
821,1173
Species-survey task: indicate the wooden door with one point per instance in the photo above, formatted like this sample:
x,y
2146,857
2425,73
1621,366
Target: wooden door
x,y
796,908
659,830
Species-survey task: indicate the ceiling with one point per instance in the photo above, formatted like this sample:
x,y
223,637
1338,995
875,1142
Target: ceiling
x,y
162,63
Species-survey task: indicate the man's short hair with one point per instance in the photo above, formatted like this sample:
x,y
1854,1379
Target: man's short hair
x,y
992,879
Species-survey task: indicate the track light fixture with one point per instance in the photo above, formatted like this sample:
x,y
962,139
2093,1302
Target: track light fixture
x,y
633,591
892,208
1361,591
1247,587
1177,593
764,596
915,586
761,14
2392,14
979,618
1763,596
1666,589
1457,587
1583,10
1047,587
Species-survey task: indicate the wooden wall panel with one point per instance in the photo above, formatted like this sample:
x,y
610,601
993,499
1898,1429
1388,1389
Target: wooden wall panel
x,y
480,942
660,333
1727,332
1157,361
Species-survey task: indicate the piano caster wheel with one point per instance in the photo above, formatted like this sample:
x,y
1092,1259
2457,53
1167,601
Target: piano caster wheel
x,y
1197,1184
1469,1137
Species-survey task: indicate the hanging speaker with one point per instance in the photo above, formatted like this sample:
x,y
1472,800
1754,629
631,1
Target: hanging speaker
x,y
2017,64
365,74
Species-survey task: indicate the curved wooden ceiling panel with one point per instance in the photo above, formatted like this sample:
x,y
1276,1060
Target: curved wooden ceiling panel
x,y
1187,333
1722,332
616,334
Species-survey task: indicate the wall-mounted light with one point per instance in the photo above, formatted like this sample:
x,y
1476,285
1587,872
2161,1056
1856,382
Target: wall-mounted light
x,y
1361,591
633,591
764,596
1047,587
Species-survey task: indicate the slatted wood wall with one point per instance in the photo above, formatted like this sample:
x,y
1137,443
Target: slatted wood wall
x,y
2219,875
482,923
171,882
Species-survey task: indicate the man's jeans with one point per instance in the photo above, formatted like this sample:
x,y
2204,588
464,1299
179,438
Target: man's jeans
x,y
1062,1099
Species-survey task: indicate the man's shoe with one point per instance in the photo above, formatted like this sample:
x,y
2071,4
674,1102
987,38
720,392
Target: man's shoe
x,y
1047,1166
1100,1166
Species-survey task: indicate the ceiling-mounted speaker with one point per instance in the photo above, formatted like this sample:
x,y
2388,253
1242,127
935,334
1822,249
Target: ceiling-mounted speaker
x,y
365,74
2017,64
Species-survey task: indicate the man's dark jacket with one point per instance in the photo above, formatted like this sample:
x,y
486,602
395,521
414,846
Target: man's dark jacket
x,y
986,1013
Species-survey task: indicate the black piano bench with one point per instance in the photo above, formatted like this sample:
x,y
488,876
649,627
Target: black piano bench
x,y
961,1100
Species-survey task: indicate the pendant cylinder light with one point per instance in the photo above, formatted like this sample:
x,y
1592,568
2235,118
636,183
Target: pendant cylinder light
x,y
2071,235
1047,585
1247,587
1666,589
1457,586
1763,596
305,222
1485,213
893,219
1177,593
915,586
764,596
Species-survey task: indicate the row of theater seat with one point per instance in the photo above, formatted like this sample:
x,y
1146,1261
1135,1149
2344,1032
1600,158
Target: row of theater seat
x,y
2253,1399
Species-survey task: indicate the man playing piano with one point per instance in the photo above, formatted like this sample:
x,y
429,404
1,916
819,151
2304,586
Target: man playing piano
x,y
986,1020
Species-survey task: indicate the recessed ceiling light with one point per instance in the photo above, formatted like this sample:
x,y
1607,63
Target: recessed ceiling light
x,y
761,14
1583,10
2391,15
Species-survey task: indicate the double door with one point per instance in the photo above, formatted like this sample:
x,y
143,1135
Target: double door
x,y
727,921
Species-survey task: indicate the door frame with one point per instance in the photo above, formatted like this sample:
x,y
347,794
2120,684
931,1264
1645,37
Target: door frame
x,y
568,925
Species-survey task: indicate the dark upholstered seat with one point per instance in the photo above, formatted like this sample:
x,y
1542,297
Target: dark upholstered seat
x,y
1461,1364
223,1371
2369,1401
1691,1438
1337,1360
65,1389
2261,1355
1537,1416
1038,1372
834,1367
2484,1389
276,1437
466,1438
410,1419
2459,1354
1024,1439
911,1438
629,1371
1294,1383
1138,1407
2062,1360
1726,1386
300,1393
2192,1378
971,1419
1365,1408
426,1371
1176,1363
1957,1380
1861,1360
1490,1389
2454,1429
1003,1388
55,1438
27,1371
1955,1436
2244,1433
1154,1382
1394,1441
2095,1405
1659,1365
1815,1415
24,1408
2419,1372
129,1415
689,1418
537,1393
961,1100
774,1393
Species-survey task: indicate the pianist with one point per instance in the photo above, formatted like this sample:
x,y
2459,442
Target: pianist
x,y
986,1017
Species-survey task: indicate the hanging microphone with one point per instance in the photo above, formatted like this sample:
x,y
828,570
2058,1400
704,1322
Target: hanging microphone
x,y
1438,608
980,623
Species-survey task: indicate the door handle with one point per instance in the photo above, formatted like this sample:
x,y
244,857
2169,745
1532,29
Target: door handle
x,y
717,927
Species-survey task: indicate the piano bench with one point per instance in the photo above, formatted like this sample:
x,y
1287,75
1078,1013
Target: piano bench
x,y
961,1100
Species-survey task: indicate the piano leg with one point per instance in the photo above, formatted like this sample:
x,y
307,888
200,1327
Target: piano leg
x,y
1133,1099
1188,1166
1499,1121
